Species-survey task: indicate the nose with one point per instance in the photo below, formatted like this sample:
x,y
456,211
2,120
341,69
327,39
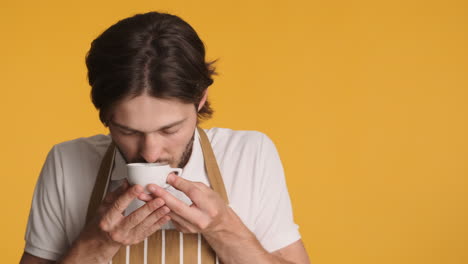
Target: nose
x,y
151,148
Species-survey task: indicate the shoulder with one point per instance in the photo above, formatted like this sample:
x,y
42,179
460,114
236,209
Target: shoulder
x,y
238,138
85,146
77,157
249,146
60,198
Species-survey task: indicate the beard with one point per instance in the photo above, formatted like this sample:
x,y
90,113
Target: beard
x,y
186,154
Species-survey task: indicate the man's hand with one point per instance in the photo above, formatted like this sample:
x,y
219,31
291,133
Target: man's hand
x,y
110,229
207,214
210,215
134,228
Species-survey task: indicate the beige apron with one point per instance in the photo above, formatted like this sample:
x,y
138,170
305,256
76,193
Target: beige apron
x,y
164,246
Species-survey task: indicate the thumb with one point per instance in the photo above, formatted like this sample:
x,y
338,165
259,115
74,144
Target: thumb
x,y
180,183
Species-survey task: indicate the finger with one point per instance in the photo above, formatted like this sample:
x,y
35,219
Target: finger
x,y
160,223
176,205
179,227
122,188
183,224
112,196
155,227
191,189
145,197
179,183
122,202
146,227
200,194
139,215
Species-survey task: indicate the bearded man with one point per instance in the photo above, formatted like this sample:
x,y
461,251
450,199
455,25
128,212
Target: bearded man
x,y
149,81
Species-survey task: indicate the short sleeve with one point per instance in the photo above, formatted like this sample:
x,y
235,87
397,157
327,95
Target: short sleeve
x,y
45,233
274,223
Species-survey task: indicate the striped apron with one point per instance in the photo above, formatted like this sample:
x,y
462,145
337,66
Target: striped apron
x,y
164,246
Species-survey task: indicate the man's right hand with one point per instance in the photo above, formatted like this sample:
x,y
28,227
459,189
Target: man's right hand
x,y
110,229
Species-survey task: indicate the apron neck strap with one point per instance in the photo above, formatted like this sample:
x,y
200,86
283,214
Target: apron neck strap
x,y
211,166
102,182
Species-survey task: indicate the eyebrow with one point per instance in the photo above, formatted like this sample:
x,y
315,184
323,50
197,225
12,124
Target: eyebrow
x,y
161,128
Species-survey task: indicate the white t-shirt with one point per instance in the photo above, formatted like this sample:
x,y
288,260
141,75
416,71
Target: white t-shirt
x,y
248,161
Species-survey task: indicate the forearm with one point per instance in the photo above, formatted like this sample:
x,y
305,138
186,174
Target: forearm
x,y
234,243
90,250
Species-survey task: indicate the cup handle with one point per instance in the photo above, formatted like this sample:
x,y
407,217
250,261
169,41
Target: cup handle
x,y
179,172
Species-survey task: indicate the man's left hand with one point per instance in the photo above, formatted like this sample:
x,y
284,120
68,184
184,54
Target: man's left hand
x,y
209,213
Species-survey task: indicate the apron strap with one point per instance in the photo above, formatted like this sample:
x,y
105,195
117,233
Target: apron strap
x,y
211,166
102,182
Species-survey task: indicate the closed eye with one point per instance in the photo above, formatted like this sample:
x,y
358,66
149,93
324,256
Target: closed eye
x,y
127,132
169,131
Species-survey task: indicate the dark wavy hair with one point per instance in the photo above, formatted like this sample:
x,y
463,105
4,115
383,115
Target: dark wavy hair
x,y
155,53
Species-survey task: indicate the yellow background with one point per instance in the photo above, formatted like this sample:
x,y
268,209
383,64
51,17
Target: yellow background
x,y
365,100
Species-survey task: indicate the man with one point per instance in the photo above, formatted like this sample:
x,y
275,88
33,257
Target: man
x,y
149,82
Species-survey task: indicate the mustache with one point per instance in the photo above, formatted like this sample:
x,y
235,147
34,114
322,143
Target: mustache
x,y
162,161
142,160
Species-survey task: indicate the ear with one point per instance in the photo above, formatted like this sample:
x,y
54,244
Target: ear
x,y
203,100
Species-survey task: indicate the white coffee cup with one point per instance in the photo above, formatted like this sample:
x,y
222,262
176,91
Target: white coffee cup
x,y
150,173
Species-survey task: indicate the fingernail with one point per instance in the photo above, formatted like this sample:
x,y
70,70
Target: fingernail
x,y
138,189
151,187
144,196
